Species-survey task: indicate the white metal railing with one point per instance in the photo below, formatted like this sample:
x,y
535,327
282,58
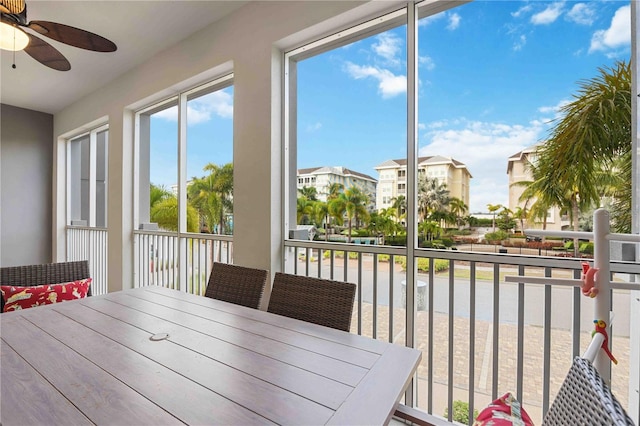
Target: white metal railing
x,y
178,261
88,243
480,336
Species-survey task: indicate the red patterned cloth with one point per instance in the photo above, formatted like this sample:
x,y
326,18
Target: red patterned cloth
x,y
504,411
28,297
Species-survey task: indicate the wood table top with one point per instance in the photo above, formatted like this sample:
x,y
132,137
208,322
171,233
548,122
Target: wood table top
x,y
93,361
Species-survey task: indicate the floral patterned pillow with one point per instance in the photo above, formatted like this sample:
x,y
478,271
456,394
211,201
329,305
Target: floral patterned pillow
x,y
504,411
28,297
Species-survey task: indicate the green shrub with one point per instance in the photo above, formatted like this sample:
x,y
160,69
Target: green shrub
x,y
396,240
586,248
496,236
460,412
440,265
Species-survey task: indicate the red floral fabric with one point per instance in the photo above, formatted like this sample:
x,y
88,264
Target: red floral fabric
x,y
504,411
28,297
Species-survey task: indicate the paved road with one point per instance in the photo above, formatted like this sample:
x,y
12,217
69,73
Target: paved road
x,y
561,297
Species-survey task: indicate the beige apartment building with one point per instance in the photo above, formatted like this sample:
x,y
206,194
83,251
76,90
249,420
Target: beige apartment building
x,y
392,178
322,177
518,170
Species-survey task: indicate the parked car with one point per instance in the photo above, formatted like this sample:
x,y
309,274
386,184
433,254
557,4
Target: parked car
x,y
531,238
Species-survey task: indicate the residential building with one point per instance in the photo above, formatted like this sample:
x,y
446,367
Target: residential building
x,y
519,170
322,177
392,179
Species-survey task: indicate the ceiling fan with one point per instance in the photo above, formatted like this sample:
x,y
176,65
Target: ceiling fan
x,y
13,18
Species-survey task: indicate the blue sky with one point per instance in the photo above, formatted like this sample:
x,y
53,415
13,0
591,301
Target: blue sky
x,y
492,75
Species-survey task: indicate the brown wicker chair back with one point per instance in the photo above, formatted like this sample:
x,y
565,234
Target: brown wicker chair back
x,y
236,284
585,399
50,273
316,300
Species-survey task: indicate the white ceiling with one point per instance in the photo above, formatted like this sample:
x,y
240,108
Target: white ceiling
x,y
140,29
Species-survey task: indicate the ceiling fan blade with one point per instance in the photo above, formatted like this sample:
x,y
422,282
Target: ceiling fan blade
x,y
73,36
46,54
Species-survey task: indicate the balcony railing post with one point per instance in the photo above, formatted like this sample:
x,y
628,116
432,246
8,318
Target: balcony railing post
x,y
601,258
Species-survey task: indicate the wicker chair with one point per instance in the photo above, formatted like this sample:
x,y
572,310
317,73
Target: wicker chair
x,y
316,300
585,399
51,273
237,284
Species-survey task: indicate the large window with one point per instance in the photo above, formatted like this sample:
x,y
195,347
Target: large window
x,y
184,158
87,185
185,161
87,176
350,122
457,115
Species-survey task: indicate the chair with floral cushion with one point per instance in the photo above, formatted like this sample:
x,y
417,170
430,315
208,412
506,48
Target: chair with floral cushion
x,y
45,274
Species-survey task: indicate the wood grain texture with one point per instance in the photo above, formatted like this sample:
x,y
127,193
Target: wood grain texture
x,y
93,362
275,327
100,396
332,368
235,385
194,333
22,387
185,399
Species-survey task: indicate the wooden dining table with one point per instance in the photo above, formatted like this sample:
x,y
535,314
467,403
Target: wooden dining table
x,y
158,356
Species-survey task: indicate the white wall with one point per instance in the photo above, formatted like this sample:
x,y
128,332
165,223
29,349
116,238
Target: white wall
x,y
250,43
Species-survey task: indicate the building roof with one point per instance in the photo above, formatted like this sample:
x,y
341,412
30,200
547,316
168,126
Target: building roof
x,y
520,156
338,170
424,161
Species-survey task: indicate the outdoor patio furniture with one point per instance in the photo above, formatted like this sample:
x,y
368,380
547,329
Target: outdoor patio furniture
x,y
237,284
41,274
317,300
584,398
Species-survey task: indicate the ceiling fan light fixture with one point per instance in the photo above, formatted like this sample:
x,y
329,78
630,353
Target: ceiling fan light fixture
x,y
12,38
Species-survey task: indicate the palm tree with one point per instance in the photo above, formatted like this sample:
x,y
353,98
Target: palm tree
x,y
593,131
352,203
304,208
458,208
399,203
165,214
429,228
212,195
521,214
309,192
433,195
493,208
158,193
320,214
333,190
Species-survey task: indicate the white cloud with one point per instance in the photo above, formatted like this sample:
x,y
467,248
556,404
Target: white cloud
x,y
427,62
520,42
454,21
389,46
582,13
554,109
617,35
169,114
219,103
484,147
430,19
389,84
524,9
549,15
